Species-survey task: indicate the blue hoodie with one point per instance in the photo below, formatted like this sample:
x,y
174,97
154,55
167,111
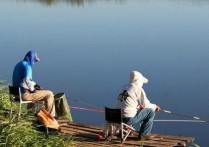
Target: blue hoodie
x,y
23,71
31,57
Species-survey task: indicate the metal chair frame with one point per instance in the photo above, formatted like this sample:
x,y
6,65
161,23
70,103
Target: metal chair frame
x,y
15,93
114,118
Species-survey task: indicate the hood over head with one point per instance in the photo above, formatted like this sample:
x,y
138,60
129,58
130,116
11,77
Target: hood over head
x,y
136,78
31,57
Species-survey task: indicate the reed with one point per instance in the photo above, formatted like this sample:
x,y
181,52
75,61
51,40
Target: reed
x,y
24,132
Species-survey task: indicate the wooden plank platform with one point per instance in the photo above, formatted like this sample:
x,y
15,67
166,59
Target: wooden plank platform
x,y
86,135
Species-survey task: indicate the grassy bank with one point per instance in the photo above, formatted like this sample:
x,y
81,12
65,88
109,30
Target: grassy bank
x,y
24,132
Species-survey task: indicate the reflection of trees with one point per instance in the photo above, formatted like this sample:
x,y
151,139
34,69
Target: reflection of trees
x,y
193,2
71,2
82,2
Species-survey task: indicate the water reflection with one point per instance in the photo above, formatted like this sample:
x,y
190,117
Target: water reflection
x,y
71,2
83,2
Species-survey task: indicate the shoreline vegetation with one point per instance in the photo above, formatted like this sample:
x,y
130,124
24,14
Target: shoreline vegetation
x,y
25,131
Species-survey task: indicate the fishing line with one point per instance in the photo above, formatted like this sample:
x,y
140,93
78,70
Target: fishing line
x,y
87,109
85,103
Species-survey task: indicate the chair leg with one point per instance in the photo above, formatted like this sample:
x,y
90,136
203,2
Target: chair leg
x,y
126,130
37,107
122,130
126,135
11,110
47,131
110,137
19,111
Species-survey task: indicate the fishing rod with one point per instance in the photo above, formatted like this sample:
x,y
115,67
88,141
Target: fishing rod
x,y
193,117
99,109
157,120
176,120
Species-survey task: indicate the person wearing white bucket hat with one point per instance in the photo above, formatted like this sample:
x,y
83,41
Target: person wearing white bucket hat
x,y
136,108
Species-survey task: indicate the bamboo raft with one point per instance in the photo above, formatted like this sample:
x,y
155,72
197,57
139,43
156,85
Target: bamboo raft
x,y
87,135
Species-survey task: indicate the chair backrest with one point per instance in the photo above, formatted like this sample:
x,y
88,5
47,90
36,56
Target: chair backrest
x,y
113,115
15,91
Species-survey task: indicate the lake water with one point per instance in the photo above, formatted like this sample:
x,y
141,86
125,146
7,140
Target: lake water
x,y
88,48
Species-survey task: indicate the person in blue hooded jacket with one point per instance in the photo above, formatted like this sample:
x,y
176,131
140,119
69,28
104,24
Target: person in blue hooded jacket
x,y
22,77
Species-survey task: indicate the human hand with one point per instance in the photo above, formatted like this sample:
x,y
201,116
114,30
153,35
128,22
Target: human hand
x,y
37,87
34,91
158,108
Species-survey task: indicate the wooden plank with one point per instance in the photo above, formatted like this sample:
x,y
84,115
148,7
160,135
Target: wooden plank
x,y
86,135
68,132
79,133
90,136
149,142
86,126
189,139
95,143
78,130
62,120
183,138
164,141
143,143
86,141
160,143
177,142
81,128
135,143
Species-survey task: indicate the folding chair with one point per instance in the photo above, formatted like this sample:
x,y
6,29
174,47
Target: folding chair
x,y
114,118
15,96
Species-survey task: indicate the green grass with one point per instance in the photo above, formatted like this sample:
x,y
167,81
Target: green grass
x,y
24,132
29,136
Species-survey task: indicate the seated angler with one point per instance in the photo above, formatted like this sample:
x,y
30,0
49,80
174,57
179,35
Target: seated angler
x,y
22,77
136,108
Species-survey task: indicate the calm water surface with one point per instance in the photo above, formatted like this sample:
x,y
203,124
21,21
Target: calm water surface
x,y
88,47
